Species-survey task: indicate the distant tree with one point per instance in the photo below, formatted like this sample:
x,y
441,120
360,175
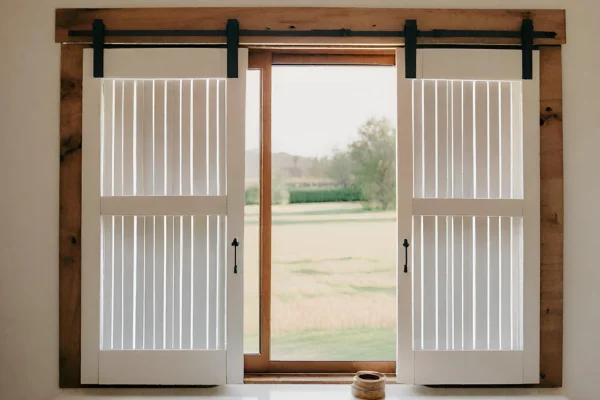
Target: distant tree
x,y
373,160
339,169
279,190
318,168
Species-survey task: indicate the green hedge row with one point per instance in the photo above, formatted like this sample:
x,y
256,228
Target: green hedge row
x,y
324,195
252,196
318,195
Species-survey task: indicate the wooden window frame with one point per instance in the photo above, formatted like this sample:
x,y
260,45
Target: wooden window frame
x,y
551,134
264,60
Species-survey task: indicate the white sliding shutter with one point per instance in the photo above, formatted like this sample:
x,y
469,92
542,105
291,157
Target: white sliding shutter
x,y
163,198
468,200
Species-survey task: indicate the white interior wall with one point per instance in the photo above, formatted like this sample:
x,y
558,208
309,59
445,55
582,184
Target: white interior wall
x,y
29,167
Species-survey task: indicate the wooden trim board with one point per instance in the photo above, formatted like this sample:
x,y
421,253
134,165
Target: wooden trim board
x,y
305,18
69,247
552,218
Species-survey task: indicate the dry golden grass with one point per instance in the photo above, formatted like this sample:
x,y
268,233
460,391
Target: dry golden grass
x,y
325,275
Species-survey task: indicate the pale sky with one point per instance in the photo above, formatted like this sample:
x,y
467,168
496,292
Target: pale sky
x,y
318,108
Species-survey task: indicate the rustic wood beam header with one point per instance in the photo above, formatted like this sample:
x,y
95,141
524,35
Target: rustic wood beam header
x,y
305,18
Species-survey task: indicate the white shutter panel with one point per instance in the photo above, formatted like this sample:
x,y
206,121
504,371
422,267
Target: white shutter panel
x,y
163,197
473,283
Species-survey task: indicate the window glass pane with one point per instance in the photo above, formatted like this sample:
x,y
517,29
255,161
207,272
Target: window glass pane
x,y
251,226
334,219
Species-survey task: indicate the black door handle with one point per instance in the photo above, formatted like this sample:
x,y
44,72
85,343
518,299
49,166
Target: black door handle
x,y
235,245
405,244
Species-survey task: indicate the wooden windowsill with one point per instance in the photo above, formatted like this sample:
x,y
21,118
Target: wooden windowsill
x,y
333,379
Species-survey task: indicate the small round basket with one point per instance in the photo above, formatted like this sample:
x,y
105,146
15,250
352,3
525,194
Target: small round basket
x,y
368,385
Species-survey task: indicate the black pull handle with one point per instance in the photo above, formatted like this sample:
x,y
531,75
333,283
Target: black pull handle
x,y
405,244
235,245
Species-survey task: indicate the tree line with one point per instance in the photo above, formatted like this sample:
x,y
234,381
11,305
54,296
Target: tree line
x,y
367,164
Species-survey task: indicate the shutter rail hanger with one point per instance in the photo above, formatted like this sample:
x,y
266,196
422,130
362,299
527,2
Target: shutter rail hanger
x,y
232,32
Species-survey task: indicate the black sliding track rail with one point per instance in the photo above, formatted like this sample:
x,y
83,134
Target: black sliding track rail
x,y
527,34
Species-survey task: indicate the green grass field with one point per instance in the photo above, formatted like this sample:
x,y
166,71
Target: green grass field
x,y
333,283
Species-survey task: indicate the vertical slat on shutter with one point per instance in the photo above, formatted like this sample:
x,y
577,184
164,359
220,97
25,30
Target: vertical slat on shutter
x,y
177,139
429,132
457,139
449,275
186,145
107,283
118,140
139,288
138,139
457,283
108,140
199,138
129,251
200,285
481,138
417,252
481,283
221,135
468,283
516,277
505,140
517,138
128,137
173,144
160,269
418,138
441,276
222,249
494,139
222,245
186,281
429,283
494,283
160,137
468,129
148,162
177,268
442,140
212,137
118,284
212,280
150,306
505,284
169,283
